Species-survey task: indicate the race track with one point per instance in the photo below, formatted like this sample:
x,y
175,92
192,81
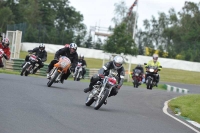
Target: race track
x,y
27,105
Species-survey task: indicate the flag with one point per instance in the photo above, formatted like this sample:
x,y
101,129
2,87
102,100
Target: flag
x,y
131,8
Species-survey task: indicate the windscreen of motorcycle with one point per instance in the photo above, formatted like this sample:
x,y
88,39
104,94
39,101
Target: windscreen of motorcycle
x,y
64,61
32,57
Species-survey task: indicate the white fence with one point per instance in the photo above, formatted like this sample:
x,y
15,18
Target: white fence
x,y
99,54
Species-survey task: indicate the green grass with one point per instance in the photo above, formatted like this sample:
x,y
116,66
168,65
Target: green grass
x,y
189,106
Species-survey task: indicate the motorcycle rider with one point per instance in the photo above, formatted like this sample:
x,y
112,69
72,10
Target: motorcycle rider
x,y
4,45
41,54
154,62
115,64
83,64
139,66
69,52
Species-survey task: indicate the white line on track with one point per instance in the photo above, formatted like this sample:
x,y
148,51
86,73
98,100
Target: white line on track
x,y
165,111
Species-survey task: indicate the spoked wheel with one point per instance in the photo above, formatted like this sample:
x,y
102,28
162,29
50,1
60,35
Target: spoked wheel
x,y
89,100
24,70
51,81
101,100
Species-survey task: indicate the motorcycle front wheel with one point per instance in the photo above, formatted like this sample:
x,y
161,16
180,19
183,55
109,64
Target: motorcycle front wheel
x,y
103,98
89,100
149,84
24,69
51,81
135,83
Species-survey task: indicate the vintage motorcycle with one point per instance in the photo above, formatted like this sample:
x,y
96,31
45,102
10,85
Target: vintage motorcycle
x,y
58,70
29,66
78,72
137,78
102,89
151,74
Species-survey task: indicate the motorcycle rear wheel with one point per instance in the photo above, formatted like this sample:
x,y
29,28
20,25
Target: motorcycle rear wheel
x,y
51,81
102,100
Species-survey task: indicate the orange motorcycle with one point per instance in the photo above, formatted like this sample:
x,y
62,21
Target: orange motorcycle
x,y
58,70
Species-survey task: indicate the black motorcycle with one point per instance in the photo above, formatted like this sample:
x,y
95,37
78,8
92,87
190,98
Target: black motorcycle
x,y
30,65
151,76
101,90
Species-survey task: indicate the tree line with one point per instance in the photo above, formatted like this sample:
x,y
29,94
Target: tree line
x,y
56,22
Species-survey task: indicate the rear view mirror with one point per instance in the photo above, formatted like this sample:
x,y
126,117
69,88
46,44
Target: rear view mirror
x,y
160,66
145,63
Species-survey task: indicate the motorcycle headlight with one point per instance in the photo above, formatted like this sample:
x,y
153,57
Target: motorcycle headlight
x,y
136,74
151,70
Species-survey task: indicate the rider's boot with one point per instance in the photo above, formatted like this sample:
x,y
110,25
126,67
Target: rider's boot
x,y
88,89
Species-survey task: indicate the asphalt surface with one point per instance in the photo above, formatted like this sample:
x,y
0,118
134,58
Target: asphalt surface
x,y
27,105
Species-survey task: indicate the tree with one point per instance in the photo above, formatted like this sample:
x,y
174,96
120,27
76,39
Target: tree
x,y
121,42
5,19
88,43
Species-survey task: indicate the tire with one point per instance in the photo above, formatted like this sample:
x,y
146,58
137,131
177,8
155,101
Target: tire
x,y
89,101
24,69
51,81
26,73
136,83
106,92
149,85
76,77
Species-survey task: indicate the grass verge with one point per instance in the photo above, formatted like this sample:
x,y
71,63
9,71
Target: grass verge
x,y
189,106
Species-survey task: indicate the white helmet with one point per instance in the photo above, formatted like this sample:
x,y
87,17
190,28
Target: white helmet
x,y
118,61
81,56
155,57
73,45
42,47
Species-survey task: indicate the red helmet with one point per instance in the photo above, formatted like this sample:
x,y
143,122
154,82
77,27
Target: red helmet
x,y
67,45
5,42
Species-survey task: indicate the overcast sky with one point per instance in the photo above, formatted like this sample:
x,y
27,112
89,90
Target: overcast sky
x,y
100,12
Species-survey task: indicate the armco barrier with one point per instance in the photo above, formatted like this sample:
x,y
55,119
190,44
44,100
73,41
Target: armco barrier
x,y
176,89
15,64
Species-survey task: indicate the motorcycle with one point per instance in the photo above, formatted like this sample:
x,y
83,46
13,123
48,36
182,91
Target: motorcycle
x,y
58,70
102,89
78,72
151,74
29,66
137,78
